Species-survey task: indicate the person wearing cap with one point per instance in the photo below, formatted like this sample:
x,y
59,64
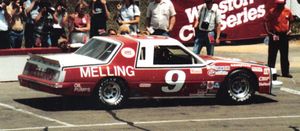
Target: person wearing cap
x,y
207,27
278,26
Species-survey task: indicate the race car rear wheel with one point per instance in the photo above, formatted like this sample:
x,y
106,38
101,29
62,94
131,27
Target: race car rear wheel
x,y
240,86
112,92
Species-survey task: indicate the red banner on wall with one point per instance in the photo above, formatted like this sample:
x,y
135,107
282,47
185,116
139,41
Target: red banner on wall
x,y
241,19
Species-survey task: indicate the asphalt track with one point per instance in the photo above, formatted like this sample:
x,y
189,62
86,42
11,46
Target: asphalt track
x,y
24,109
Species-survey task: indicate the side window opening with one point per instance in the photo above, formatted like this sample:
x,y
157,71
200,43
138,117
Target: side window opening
x,y
171,55
143,53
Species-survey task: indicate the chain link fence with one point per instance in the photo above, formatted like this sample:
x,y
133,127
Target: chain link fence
x,y
112,7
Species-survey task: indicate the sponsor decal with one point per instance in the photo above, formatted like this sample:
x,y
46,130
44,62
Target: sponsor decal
x,y
264,78
266,71
264,84
128,52
78,88
240,65
203,85
211,72
216,85
222,68
145,85
196,71
198,93
210,85
257,69
213,85
103,71
221,73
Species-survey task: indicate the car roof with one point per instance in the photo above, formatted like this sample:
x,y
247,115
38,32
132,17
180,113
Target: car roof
x,y
135,39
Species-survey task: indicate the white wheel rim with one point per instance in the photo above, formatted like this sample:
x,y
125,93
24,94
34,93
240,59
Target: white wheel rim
x,y
111,93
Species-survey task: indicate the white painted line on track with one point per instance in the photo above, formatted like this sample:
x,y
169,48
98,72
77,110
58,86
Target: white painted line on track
x,y
289,90
35,115
157,122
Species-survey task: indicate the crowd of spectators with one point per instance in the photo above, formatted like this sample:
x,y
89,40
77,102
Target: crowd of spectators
x,y
41,23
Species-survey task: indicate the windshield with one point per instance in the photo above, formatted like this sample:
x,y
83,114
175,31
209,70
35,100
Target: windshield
x,y
97,49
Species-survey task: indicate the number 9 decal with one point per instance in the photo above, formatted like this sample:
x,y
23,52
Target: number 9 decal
x,y
178,84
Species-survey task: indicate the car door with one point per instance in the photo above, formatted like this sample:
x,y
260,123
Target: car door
x,y
169,70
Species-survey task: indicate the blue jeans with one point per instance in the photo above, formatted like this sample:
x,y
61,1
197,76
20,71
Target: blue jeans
x,y
201,39
16,38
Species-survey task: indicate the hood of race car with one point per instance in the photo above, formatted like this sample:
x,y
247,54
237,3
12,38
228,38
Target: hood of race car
x,y
217,58
73,59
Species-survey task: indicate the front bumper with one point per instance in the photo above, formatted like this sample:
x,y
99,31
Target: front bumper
x,y
59,88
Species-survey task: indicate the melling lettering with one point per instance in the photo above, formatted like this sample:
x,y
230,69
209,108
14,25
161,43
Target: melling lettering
x,y
96,71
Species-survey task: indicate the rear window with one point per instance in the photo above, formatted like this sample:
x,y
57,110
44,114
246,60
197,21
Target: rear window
x,y
97,49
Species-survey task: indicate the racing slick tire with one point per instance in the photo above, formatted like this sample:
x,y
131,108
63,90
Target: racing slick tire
x,y
111,92
239,87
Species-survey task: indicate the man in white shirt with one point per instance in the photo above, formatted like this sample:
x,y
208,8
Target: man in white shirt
x,y
160,17
4,37
207,28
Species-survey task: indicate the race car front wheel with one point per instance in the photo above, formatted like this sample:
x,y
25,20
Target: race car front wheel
x,y
112,92
240,86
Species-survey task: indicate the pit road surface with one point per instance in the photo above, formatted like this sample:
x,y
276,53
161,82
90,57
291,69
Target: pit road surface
x,y
24,109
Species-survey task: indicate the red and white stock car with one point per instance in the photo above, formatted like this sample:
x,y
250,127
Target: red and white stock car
x,y
117,68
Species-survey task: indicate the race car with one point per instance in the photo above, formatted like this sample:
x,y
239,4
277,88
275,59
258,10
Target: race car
x,y
114,69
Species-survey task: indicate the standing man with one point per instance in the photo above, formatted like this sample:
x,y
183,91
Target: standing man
x,y
278,26
207,28
160,17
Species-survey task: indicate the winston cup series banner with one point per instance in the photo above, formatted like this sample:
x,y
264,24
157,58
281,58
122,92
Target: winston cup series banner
x,y
241,19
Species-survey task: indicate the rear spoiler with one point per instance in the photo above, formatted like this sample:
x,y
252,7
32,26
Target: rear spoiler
x,y
42,59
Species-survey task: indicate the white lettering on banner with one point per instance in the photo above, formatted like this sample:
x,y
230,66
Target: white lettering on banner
x,y
190,34
192,13
106,71
246,15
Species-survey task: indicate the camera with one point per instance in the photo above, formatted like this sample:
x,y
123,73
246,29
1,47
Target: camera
x,y
46,4
205,25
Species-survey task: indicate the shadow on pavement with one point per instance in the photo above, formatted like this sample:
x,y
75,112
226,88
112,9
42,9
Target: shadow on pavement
x,y
86,103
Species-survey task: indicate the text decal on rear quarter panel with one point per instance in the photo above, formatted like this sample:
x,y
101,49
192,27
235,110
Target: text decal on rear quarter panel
x,y
96,71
